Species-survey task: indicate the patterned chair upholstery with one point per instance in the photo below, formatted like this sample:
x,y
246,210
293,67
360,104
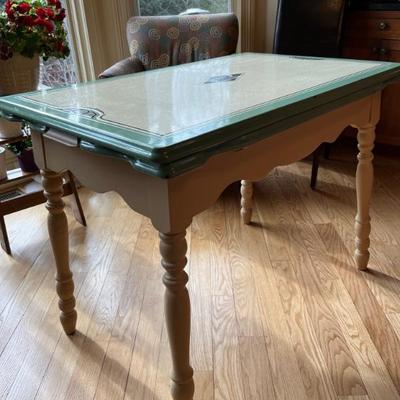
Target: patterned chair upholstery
x,y
157,42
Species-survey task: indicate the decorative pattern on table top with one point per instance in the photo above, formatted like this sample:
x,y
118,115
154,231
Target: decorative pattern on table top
x,y
173,100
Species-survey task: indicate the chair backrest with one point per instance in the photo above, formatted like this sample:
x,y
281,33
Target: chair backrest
x,y
309,27
171,40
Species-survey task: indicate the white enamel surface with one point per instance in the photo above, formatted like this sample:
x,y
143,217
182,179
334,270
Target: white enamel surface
x,y
173,99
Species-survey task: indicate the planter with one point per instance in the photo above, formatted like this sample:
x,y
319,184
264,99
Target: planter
x,y
17,75
26,161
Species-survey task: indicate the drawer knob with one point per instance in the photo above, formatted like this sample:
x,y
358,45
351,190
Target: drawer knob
x,y
381,51
383,25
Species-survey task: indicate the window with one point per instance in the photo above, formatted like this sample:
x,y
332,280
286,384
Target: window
x,y
173,7
58,72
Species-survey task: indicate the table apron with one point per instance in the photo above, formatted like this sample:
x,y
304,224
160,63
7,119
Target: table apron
x,y
171,203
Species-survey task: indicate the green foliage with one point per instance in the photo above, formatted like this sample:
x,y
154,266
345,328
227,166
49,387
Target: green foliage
x,y
30,27
18,147
173,7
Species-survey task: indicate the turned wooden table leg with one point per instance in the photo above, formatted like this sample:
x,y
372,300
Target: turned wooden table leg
x,y
246,203
173,249
364,183
58,232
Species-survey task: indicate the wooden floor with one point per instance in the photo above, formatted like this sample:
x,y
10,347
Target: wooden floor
x,y
279,310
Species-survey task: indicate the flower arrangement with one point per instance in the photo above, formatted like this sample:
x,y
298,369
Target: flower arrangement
x,y
33,27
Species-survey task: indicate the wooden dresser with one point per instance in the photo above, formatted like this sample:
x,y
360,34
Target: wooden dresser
x,y
375,35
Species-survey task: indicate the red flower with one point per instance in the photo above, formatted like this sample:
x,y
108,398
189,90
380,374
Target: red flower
x,y
8,5
26,20
56,3
24,7
61,15
50,13
45,12
10,11
40,12
45,23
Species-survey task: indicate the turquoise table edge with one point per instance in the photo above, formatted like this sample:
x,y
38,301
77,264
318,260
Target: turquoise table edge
x,y
167,157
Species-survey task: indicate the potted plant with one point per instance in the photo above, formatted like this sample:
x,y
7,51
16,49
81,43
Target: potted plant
x,y
23,151
29,30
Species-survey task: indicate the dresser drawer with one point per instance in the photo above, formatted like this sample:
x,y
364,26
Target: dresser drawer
x,y
373,25
371,49
375,35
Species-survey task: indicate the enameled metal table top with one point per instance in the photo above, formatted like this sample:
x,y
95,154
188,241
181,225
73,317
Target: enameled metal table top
x,y
174,113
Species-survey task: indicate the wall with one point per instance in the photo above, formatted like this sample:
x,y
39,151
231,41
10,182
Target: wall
x,y
272,6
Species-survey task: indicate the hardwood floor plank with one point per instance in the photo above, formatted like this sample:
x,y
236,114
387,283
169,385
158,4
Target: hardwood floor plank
x,y
86,373
227,366
162,388
115,369
273,214
221,272
395,321
368,361
299,213
16,350
31,240
343,370
316,381
208,271
142,377
283,366
257,382
246,301
375,321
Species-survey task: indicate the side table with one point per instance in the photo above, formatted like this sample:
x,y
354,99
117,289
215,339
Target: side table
x,y
20,190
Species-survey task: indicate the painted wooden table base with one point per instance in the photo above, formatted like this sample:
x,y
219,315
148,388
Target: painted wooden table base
x,y
171,177
171,204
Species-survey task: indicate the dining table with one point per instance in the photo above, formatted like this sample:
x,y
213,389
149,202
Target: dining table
x,y
169,141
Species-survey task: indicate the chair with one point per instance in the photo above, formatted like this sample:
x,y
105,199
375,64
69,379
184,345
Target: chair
x,y
157,42
310,28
